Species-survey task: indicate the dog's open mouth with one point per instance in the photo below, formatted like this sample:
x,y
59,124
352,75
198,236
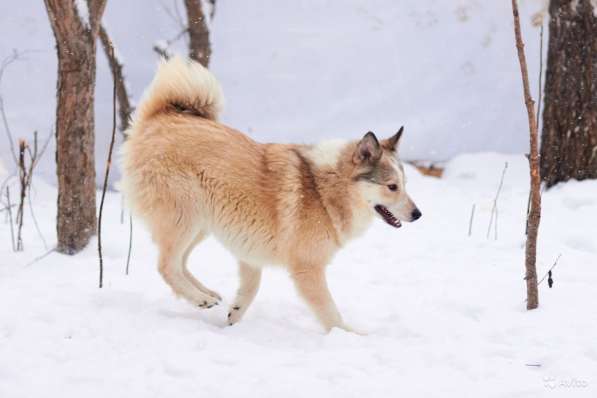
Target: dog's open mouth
x,y
388,216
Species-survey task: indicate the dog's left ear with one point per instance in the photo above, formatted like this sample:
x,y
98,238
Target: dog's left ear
x,y
391,143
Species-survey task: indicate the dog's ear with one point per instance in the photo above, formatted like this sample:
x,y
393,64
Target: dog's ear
x,y
391,144
368,150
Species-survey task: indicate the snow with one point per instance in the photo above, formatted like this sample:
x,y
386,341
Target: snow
x,y
83,11
305,70
445,313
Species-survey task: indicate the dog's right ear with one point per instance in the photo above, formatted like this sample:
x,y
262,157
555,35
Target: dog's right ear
x,y
368,150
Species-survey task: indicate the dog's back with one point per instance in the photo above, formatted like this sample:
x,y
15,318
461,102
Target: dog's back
x,y
185,174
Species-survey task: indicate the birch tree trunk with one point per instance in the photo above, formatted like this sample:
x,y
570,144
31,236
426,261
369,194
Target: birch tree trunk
x,y
75,34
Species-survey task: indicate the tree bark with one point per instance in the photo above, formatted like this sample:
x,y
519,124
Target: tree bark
x,y
534,216
75,160
569,136
199,46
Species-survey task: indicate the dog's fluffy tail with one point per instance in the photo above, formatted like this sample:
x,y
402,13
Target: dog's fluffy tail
x,y
181,85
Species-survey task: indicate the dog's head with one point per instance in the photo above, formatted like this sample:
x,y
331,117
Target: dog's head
x,y
381,181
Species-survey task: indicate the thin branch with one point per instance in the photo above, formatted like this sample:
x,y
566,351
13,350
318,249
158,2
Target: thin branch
x,y
23,179
106,176
15,56
162,48
36,155
495,200
549,270
128,256
12,232
534,216
121,209
161,51
116,67
5,208
36,259
6,181
470,222
34,218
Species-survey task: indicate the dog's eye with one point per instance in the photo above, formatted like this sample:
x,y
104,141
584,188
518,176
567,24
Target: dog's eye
x,y
393,187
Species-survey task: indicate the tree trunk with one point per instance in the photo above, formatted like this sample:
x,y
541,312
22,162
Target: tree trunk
x,y
75,160
199,47
569,136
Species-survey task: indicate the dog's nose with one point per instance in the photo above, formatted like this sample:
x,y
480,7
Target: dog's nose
x,y
416,214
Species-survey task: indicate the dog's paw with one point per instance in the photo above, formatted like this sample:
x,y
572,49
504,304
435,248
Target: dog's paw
x,y
208,302
236,312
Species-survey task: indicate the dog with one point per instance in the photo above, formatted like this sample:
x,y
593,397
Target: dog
x,y
189,176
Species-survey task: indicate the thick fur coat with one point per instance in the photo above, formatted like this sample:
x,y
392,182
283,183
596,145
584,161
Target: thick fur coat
x,y
189,176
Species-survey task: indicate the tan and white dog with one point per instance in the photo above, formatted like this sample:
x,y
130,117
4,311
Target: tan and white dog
x,y
189,176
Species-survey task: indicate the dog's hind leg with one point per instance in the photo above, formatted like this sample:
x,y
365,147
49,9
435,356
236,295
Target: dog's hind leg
x,y
198,238
250,277
173,244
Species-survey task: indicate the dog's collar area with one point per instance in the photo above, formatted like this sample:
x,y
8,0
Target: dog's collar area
x,y
387,216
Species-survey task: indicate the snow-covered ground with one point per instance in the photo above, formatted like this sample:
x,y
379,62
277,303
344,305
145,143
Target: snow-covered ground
x,y
444,312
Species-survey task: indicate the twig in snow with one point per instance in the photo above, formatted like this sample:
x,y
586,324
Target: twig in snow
x,y
12,232
495,200
121,209
36,156
549,270
23,181
36,259
34,218
470,222
128,256
496,224
106,176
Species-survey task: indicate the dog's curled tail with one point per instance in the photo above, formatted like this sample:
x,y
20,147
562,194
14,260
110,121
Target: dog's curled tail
x,y
182,85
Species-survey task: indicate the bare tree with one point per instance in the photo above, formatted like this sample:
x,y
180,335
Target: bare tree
x,y
569,136
116,67
534,216
75,31
199,45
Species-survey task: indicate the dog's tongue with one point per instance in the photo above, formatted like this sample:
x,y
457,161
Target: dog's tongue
x,y
388,217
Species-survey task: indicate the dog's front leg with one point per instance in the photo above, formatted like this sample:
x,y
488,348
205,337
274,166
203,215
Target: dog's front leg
x,y
249,284
311,284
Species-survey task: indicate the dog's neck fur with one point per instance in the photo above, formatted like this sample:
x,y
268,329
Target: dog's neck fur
x,y
330,164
